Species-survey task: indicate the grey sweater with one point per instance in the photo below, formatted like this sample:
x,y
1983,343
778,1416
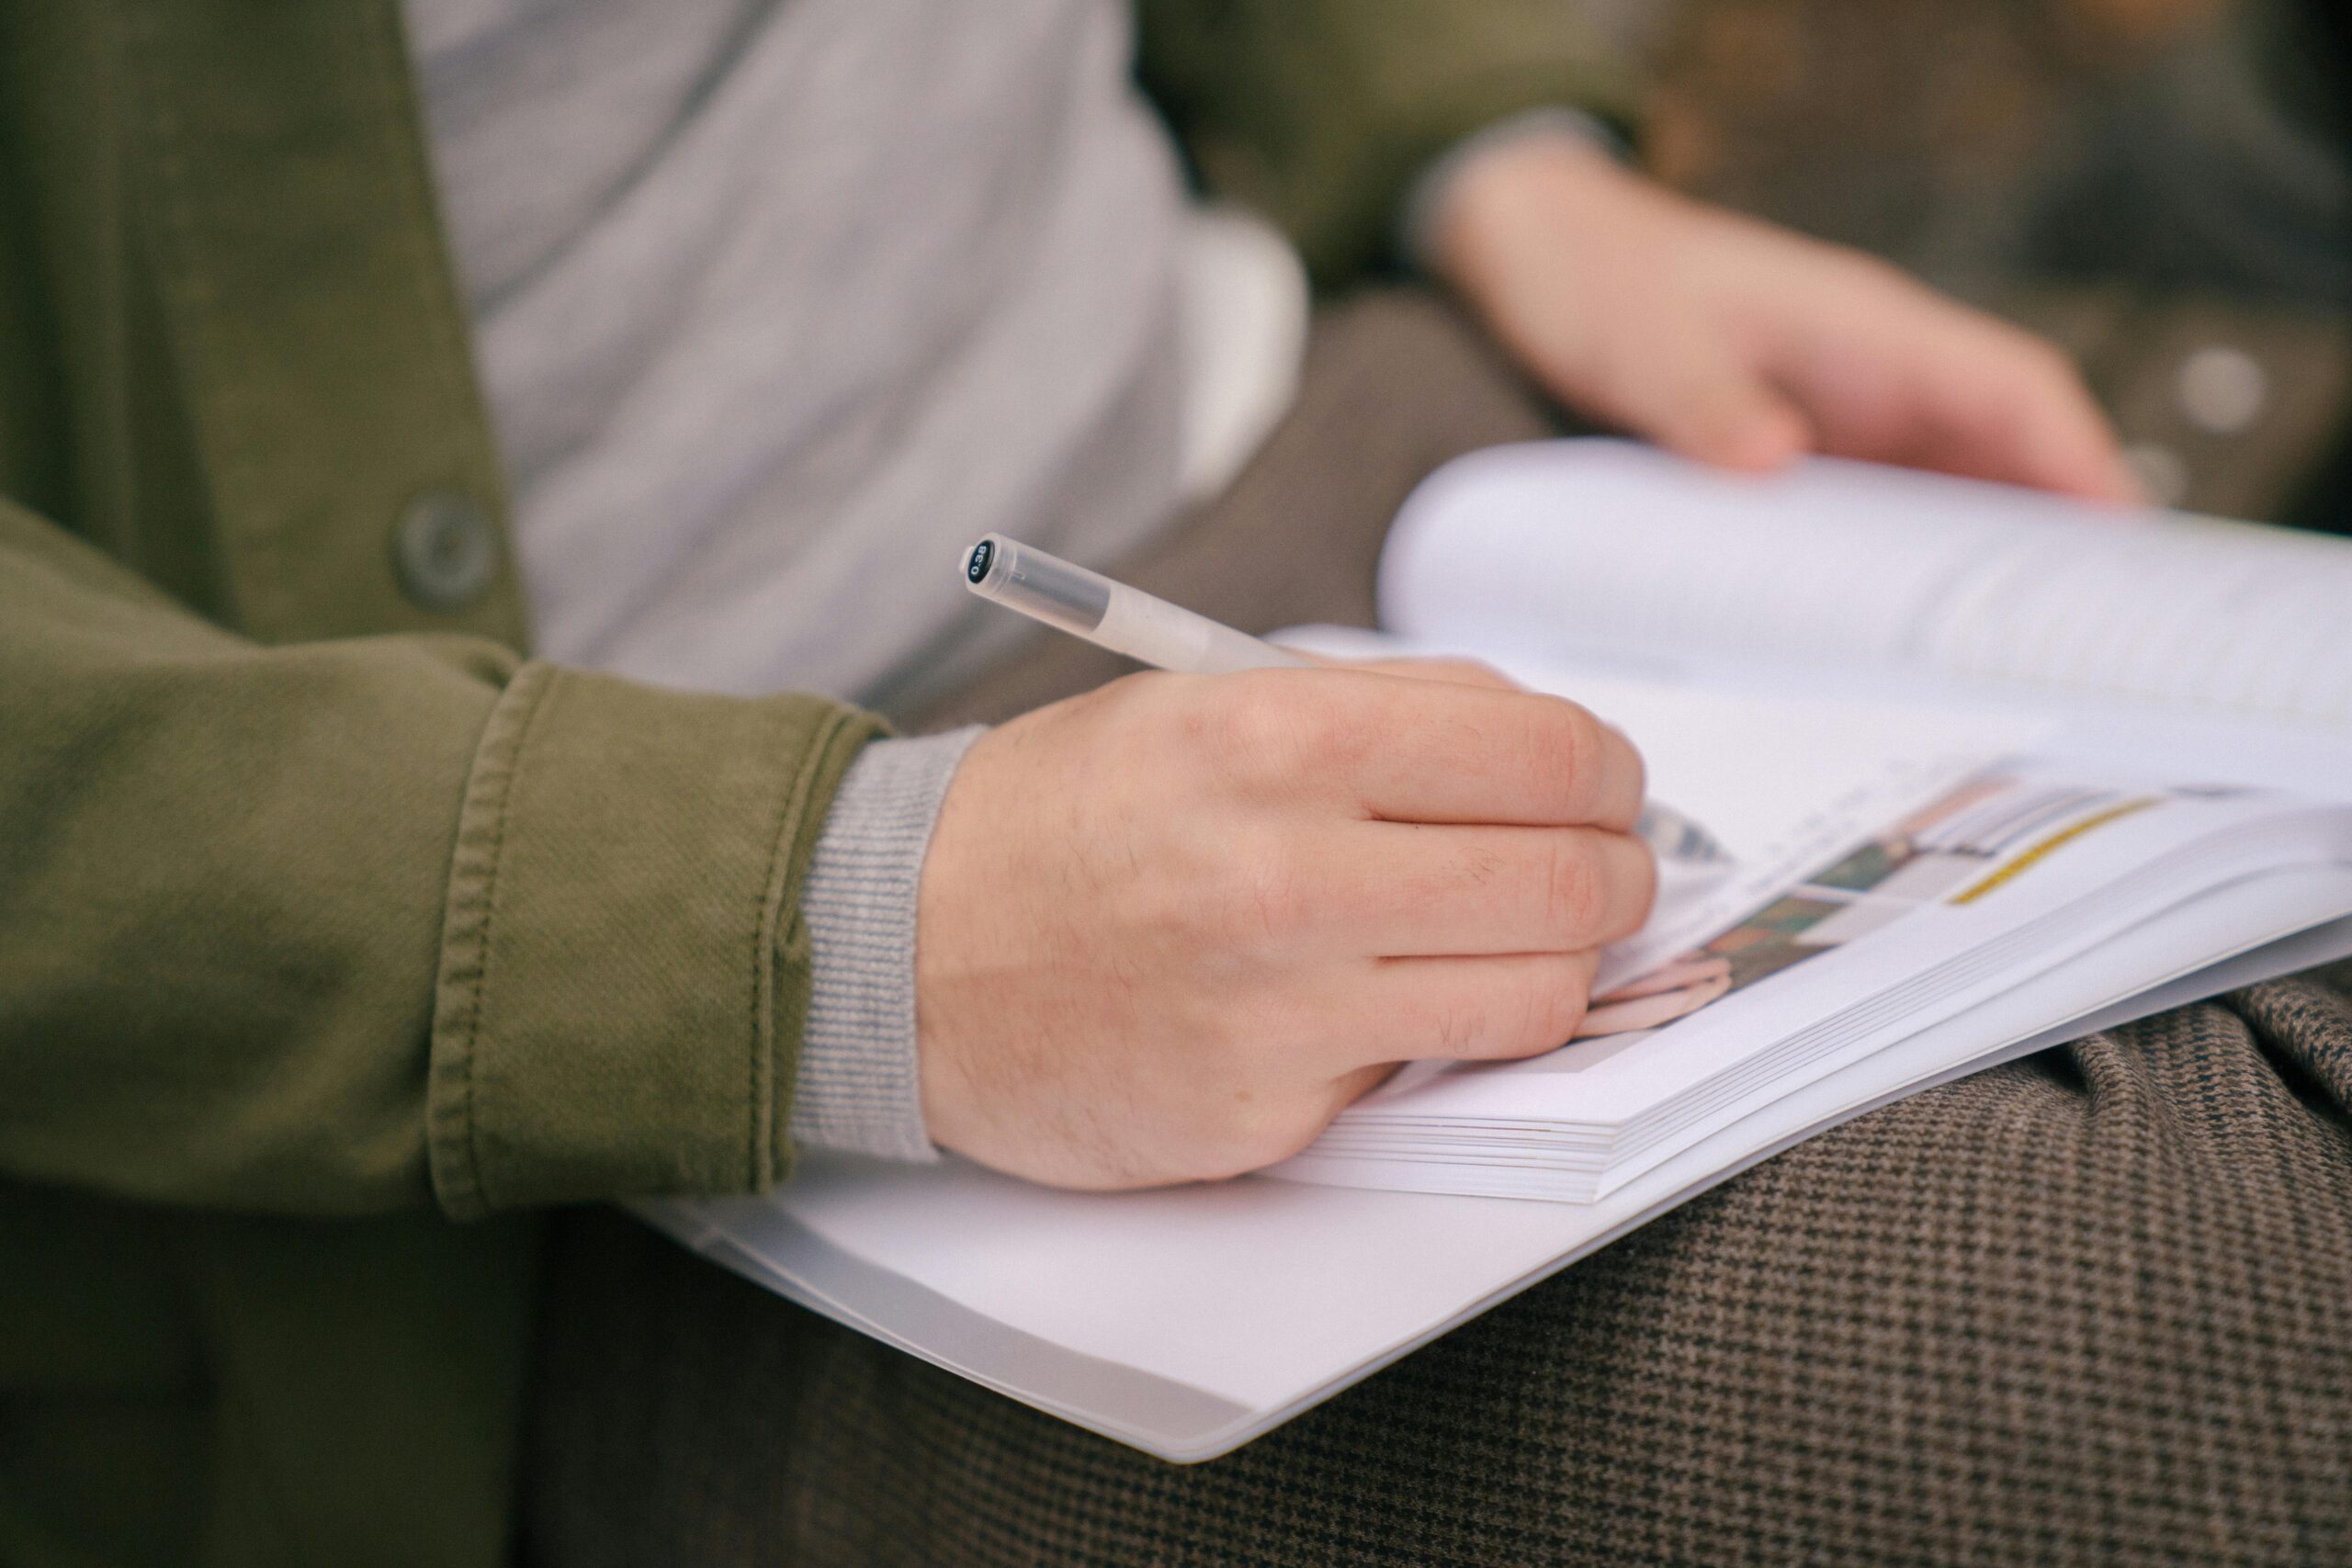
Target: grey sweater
x,y
779,301
775,302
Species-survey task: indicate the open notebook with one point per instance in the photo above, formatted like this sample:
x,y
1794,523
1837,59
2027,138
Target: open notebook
x,y
1992,769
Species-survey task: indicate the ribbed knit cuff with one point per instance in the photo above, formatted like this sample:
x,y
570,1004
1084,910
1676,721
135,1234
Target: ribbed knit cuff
x,y
858,1087
1416,222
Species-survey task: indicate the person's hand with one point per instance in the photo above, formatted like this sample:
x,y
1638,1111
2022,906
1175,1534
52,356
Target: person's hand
x,y
1167,930
1744,345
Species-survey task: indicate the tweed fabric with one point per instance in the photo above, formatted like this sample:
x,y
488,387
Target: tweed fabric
x,y
2091,1307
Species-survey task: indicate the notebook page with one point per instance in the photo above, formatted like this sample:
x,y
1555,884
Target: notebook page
x,y
1782,784
1574,547
2222,615
1598,543
1272,1294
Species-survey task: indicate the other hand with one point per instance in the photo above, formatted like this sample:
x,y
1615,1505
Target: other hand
x,y
1168,929
1742,344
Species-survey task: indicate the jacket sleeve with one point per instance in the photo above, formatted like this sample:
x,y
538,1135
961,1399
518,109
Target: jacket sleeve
x,y
1319,113
343,927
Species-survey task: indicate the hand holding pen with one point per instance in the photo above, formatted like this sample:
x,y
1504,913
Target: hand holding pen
x,y
1152,631
1168,929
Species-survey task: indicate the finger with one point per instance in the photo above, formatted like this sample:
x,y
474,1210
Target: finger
x,y
1680,976
1467,1009
1460,671
1653,1011
1738,423
1401,889
1703,401
2016,411
2051,435
1907,376
1436,750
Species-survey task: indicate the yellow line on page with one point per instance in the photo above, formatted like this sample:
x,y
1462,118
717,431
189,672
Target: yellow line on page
x,y
2051,846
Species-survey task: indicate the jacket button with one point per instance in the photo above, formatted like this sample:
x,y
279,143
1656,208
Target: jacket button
x,y
444,550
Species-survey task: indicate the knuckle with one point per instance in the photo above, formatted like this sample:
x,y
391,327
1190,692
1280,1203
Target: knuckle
x,y
1135,709
1251,729
1569,748
1574,899
1271,729
1637,910
1339,732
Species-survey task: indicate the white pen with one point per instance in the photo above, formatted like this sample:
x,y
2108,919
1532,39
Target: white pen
x,y
1152,631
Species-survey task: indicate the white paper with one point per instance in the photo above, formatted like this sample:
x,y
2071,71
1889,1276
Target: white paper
x,y
1604,544
1684,608
1260,1298
2035,867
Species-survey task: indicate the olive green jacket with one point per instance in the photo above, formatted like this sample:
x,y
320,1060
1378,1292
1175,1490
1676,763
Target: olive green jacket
x,y
328,919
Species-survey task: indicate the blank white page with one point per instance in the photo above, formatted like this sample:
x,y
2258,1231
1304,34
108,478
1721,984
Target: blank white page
x,y
1573,546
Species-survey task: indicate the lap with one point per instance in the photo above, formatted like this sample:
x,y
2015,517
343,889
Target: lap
x,y
2093,1305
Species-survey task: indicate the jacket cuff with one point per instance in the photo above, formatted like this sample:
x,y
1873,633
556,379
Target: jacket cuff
x,y
624,971
859,1086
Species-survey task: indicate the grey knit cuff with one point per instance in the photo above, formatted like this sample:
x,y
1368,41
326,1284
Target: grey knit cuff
x,y
1417,223
858,1087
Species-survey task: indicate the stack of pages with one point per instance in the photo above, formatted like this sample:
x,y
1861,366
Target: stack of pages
x,y
2016,870
1989,770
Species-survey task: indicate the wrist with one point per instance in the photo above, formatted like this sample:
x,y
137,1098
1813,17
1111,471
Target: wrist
x,y
1554,124
858,1086
1492,195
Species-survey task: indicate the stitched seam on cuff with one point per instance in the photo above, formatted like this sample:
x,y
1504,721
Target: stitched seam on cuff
x,y
455,1151
763,1166
860,1085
